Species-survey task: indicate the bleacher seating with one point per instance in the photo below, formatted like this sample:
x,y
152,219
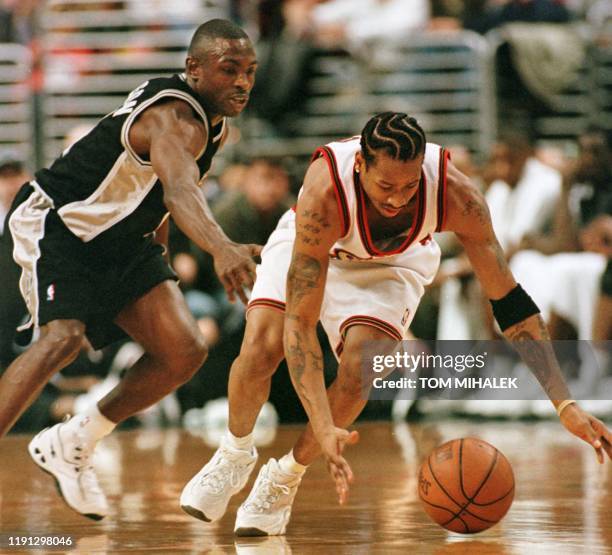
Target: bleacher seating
x,y
16,110
94,57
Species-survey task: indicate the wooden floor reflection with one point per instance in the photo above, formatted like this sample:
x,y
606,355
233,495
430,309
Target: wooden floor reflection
x,y
562,501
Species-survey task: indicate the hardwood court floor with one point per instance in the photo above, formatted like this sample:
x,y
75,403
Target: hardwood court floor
x,y
562,501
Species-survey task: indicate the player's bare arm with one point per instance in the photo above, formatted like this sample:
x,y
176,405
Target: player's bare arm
x,y
317,229
173,136
468,216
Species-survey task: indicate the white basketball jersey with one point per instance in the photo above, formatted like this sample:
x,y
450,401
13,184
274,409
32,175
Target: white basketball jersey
x,y
356,242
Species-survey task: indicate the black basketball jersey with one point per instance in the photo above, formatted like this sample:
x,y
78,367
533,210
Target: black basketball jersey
x,y
102,190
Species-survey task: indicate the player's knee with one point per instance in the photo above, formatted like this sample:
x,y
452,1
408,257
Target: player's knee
x,y
63,340
190,358
263,350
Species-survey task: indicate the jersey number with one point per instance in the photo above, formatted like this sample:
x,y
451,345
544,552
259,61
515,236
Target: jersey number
x,y
130,101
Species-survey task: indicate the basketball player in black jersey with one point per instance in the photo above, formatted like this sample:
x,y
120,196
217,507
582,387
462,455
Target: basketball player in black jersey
x,y
84,233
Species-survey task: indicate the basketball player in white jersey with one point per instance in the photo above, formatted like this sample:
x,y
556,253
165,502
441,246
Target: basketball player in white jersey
x,y
356,254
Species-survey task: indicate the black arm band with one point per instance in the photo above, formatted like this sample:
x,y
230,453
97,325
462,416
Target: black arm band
x,y
515,307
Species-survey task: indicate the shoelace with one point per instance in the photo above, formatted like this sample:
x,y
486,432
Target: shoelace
x,y
227,469
266,493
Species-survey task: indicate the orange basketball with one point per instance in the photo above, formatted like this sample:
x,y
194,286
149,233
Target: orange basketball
x,y
466,485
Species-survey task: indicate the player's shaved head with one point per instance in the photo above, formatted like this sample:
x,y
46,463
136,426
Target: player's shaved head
x,y
205,36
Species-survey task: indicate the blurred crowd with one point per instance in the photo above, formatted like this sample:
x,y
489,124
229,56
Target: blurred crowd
x,y
551,206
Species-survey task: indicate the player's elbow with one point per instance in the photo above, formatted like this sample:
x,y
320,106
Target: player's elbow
x,y
177,196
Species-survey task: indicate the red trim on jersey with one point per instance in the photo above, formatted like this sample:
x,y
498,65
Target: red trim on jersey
x,y
444,158
272,304
364,226
377,323
330,158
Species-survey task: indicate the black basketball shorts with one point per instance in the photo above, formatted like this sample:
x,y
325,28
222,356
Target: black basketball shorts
x,y
65,278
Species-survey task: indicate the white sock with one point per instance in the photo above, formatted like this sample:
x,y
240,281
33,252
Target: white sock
x,y
244,443
289,465
91,424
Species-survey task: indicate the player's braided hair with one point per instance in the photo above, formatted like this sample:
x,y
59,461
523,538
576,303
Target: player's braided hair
x,y
396,133
215,29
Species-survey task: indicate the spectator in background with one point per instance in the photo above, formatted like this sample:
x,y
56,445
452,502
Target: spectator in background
x,y
521,194
255,211
572,287
13,174
482,16
598,238
251,210
352,25
285,54
17,20
538,57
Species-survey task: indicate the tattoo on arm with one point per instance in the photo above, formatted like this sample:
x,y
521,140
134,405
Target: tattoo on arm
x,y
538,354
500,258
303,277
299,358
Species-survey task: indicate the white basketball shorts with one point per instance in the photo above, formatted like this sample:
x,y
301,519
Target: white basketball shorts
x,y
383,293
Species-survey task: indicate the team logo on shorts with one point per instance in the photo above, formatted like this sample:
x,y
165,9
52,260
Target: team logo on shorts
x,y
51,292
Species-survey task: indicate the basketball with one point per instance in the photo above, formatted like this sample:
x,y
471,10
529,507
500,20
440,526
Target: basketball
x,y
466,485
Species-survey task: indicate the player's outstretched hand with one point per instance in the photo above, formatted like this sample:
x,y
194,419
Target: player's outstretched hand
x,y
332,444
235,267
589,429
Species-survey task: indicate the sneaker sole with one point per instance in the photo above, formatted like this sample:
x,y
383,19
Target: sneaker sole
x,y
33,456
195,513
246,532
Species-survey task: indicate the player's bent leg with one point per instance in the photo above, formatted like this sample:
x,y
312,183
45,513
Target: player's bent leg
x,y
267,509
56,450
59,343
162,324
251,373
174,350
207,494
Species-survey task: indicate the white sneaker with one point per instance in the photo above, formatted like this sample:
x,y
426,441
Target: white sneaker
x,y
267,509
67,457
207,494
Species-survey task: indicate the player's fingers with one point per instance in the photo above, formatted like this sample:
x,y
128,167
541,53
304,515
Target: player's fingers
x,y
247,278
605,436
237,285
607,446
353,438
229,288
255,250
343,468
342,483
591,436
242,296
